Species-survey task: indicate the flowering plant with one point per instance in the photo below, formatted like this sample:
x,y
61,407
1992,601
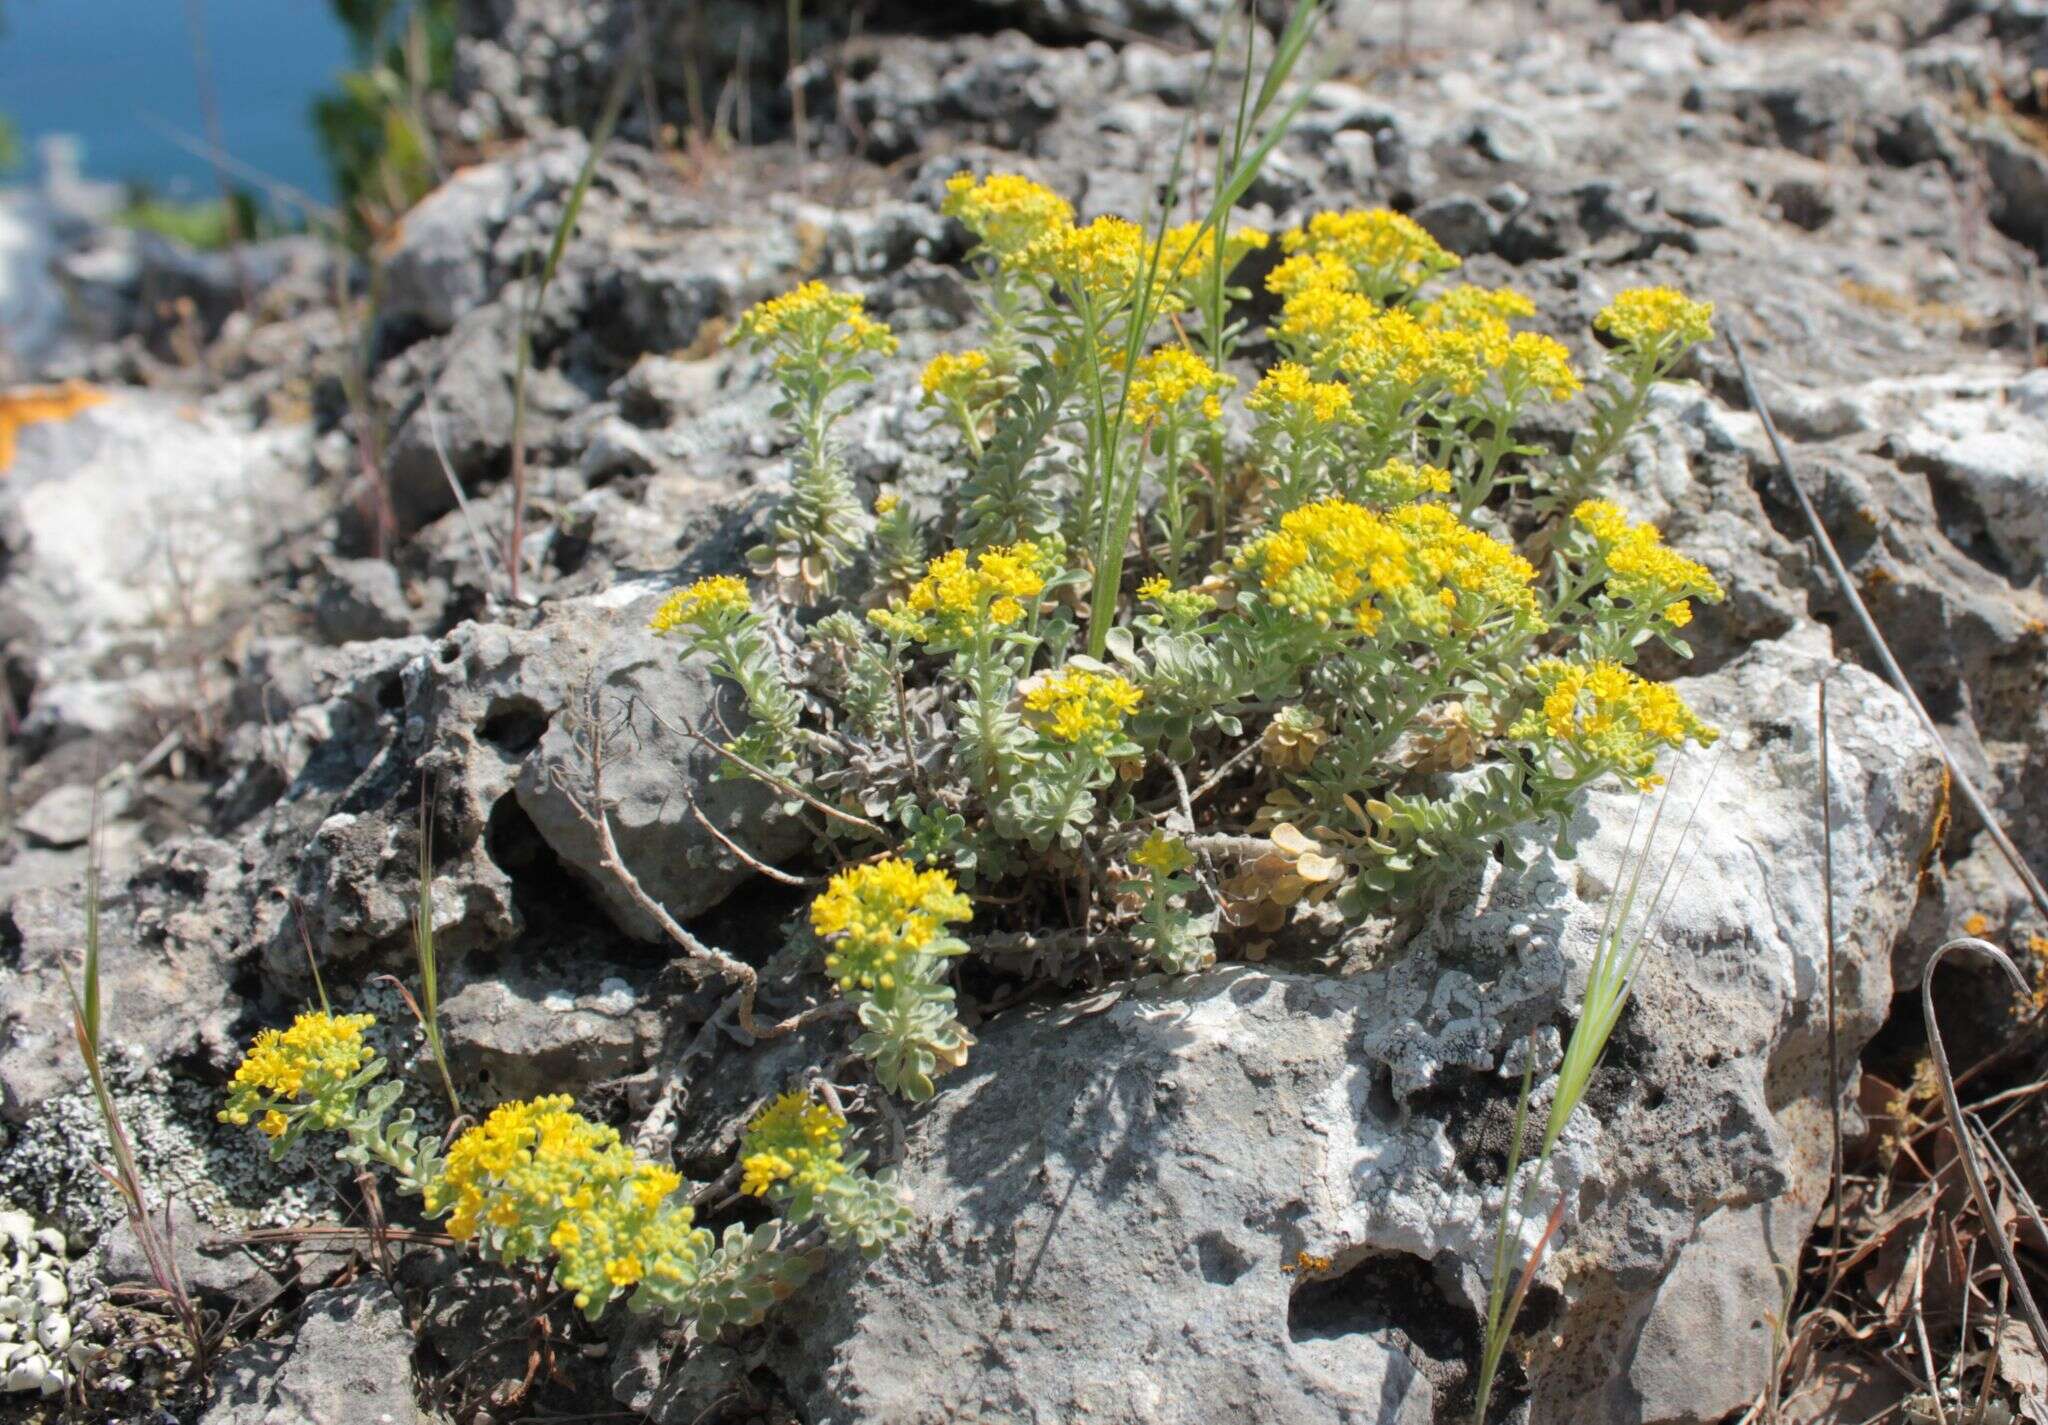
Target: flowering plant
x,y
537,1182
1423,624
1146,682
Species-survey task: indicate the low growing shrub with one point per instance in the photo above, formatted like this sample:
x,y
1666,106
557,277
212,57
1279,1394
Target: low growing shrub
x,y
1153,670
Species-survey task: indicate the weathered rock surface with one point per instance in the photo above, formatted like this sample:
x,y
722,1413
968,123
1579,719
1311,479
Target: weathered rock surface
x,y
349,1359
1112,1188
1113,1194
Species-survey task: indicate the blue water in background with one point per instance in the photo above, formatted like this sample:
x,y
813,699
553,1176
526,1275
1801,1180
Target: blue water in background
x,y
101,69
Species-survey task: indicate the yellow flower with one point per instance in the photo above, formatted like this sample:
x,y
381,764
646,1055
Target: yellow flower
x,y
1163,855
1080,706
1337,562
1398,482
1327,561
1471,575
1655,318
536,1178
1540,363
1395,349
1320,323
956,377
1190,253
887,502
1005,210
1290,394
792,1140
958,601
873,916
1604,519
309,1063
816,321
1309,271
1387,253
1180,605
1641,568
1469,308
1169,378
1099,261
712,605
1604,717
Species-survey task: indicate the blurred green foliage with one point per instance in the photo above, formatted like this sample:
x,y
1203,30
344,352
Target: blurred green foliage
x,y
372,126
204,224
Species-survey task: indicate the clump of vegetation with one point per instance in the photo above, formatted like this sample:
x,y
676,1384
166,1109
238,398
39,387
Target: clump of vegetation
x,y
1154,674
373,127
536,1182
1423,627
208,224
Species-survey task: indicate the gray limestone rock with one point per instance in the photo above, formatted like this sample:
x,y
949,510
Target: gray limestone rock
x,y
530,1031
439,268
1113,1194
348,1360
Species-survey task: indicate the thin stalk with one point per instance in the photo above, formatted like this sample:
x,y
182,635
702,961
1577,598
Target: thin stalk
x,y
1611,980
1496,1289
1827,896
1966,1152
430,971
158,1251
614,105
1833,559
1120,491
209,110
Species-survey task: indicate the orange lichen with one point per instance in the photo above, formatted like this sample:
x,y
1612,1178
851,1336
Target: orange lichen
x,y
40,403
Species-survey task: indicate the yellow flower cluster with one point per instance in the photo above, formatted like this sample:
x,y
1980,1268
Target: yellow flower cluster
x,y
1399,482
792,1140
1181,605
817,321
1289,393
1469,308
1456,342
536,1177
1308,272
1031,229
1473,576
1327,561
874,915
1006,211
1534,362
1386,252
302,1064
958,377
710,605
1168,379
1642,568
962,597
1100,260
1607,717
1321,321
1397,349
1337,562
1080,706
1652,318
1189,251
1163,855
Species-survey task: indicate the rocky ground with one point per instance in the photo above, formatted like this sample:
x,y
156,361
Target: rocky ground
x,y
1115,1197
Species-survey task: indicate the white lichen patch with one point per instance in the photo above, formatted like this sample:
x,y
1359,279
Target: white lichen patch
x,y
38,1352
